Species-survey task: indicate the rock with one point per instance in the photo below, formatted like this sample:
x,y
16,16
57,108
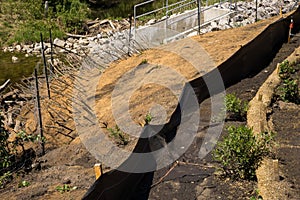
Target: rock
x,y
14,59
29,51
26,48
224,21
47,51
37,47
74,51
62,51
47,45
70,40
238,18
59,42
83,41
194,33
18,48
272,14
26,55
214,24
11,49
69,45
151,21
76,46
91,38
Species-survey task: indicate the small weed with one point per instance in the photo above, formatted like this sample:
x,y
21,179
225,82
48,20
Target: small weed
x,y
144,61
256,196
236,108
148,118
65,188
241,152
23,184
119,135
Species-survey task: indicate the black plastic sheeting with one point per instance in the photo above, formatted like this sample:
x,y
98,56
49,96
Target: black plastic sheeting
x,y
250,59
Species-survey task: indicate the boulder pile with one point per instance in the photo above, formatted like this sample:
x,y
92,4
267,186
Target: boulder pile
x,y
109,39
245,13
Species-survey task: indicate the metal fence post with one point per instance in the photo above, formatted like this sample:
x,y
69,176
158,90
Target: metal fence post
x,y
199,15
51,46
45,66
39,111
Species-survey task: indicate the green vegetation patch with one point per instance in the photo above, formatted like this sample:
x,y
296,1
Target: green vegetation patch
x,y
241,152
288,90
22,21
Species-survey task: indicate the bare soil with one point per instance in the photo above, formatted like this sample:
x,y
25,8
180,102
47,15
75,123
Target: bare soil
x,y
70,163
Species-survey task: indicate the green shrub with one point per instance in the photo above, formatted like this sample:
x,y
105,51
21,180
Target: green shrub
x,y
26,19
236,108
5,178
30,32
241,152
285,69
288,91
12,152
71,15
4,148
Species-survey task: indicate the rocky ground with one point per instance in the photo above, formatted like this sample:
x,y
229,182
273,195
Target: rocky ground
x,y
105,33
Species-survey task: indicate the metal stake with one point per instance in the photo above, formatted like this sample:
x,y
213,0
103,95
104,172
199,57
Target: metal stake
x,y
199,17
39,111
51,46
45,67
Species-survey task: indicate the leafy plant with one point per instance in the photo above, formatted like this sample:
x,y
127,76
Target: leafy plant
x,y
4,147
65,188
257,196
119,135
26,19
288,90
5,178
71,14
285,69
241,152
9,152
148,118
236,108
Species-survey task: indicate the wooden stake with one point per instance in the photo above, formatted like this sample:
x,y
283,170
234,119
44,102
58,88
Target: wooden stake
x,y
98,170
280,12
276,169
290,30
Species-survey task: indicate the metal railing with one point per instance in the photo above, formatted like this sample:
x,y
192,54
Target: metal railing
x,y
167,10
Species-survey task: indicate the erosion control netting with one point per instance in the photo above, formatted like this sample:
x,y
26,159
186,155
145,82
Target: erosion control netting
x,y
250,59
